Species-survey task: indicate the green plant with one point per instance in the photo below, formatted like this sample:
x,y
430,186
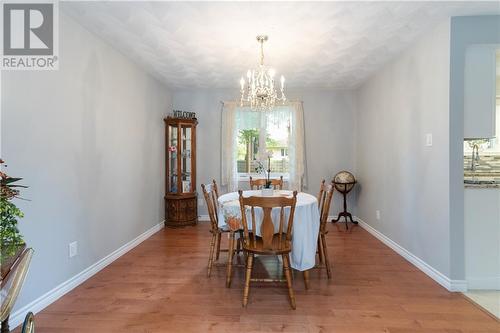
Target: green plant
x,y
9,213
10,237
259,167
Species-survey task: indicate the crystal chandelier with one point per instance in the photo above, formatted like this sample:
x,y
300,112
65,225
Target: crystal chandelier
x,y
259,91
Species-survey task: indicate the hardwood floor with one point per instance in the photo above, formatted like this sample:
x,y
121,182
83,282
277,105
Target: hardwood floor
x,y
161,286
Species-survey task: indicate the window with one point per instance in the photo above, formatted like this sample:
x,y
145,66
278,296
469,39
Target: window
x,y
261,135
247,138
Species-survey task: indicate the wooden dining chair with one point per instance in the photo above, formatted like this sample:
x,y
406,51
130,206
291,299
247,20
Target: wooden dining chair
x,y
324,201
321,191
12,285
215,196
211,194
320,204
269,242
216,189
257,184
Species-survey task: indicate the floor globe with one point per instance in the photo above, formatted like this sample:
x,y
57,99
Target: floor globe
x,y
344,181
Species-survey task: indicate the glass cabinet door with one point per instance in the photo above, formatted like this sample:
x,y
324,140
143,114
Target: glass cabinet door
x,y
186,146
172,157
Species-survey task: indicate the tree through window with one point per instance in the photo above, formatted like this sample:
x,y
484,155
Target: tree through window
x,y
260,134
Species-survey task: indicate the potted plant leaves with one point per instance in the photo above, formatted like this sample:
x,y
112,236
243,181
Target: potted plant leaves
x,y
11,241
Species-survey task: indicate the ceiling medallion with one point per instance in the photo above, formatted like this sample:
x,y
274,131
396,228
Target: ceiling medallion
x,y
259,91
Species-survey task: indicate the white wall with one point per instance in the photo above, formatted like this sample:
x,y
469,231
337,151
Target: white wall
x,y
329,132
400,176
88,141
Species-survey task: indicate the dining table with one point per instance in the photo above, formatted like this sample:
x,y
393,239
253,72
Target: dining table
x,y
305,227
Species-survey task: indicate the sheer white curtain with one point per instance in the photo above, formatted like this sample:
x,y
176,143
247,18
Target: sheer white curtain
x,y
296,147
235,118
229,137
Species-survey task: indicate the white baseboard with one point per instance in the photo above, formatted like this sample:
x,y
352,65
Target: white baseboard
x,y
53,295
492,283
459,286
443,280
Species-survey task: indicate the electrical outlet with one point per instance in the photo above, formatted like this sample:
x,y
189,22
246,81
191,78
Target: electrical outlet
x,y
377,214
428,139
73,249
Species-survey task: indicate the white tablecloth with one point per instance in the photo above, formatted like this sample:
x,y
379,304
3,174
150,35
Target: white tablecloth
x,y
305,223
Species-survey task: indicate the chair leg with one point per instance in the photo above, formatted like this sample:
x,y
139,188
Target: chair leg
x,y
240,241
306,279
211,255
230,252
248,276
325,254
238,245
219,236
320,250
238,248
286,265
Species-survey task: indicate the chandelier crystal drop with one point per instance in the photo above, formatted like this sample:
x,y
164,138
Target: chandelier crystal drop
x,y
259,91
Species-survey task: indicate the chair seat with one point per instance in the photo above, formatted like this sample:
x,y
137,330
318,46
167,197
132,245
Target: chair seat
x,y
258,247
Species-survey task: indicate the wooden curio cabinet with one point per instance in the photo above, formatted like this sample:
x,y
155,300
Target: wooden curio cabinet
x,y
181,206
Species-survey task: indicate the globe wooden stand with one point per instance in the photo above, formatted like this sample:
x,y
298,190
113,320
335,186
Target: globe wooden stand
x,y
345,213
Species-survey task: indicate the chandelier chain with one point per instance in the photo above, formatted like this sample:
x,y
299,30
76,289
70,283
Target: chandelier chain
x,y
262,52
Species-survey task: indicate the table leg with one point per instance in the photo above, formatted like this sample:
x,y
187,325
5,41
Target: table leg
x,y
306,279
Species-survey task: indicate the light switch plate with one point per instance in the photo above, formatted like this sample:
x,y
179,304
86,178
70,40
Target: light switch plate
x,y
428,139
73,249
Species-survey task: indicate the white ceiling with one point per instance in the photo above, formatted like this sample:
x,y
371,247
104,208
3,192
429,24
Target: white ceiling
x,y
315,45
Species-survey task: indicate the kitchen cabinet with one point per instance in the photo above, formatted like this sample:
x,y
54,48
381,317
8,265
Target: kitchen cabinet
x,y
479,91
482,237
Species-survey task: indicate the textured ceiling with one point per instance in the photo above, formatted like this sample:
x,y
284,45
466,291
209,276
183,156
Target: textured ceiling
x,y
315,45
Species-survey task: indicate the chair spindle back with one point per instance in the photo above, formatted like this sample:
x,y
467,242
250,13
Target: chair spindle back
x,y
320,194
257,184
267,227
216,189
211,196
324,202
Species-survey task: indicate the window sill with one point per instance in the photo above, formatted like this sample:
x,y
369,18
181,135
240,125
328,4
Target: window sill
x,y
246,177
